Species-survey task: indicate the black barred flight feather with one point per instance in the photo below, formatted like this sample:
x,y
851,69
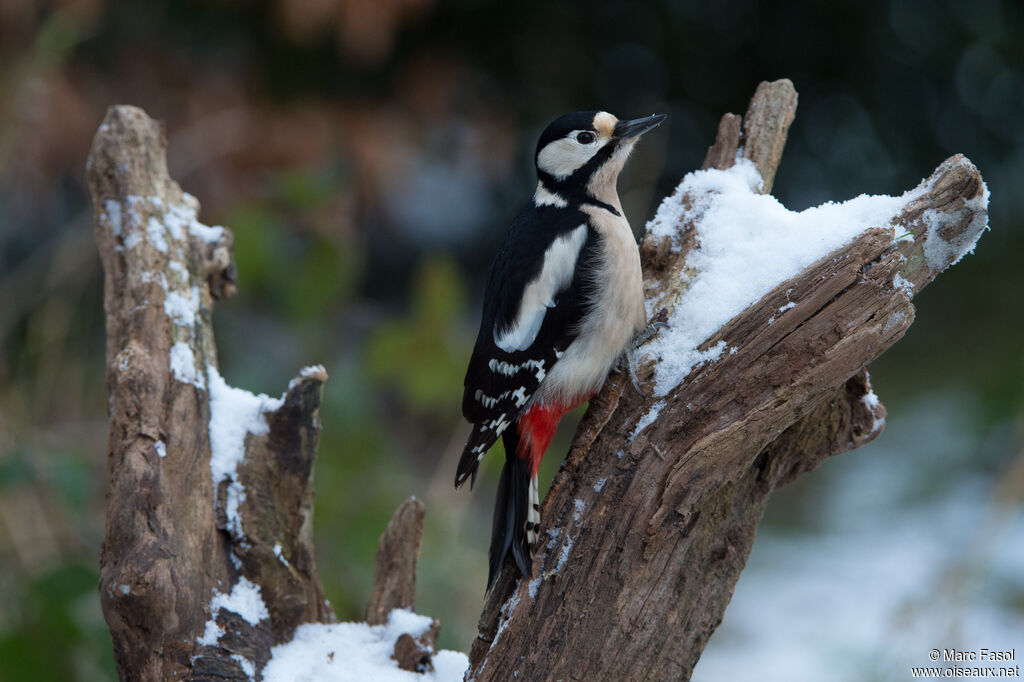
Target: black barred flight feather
x,y
535,299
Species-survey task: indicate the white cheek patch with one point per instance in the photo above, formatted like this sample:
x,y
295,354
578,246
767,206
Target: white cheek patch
x,y
564,157
539,295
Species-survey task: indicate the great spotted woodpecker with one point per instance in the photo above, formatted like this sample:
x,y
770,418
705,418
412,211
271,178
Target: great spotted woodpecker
x,y
563,304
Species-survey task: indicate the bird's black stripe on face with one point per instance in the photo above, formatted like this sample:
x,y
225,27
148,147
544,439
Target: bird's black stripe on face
x,y
574,187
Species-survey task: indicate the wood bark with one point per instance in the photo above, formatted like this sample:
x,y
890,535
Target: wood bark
x,y
173,538
644,535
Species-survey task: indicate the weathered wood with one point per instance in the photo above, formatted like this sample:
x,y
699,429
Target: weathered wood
x,y
766,126
722,154
416,654
394,573
169,546
645,534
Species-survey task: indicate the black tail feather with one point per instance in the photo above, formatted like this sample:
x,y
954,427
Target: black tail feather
x,y
510,513
479,442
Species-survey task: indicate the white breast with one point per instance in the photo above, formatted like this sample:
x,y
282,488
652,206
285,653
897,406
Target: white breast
x,y
614,316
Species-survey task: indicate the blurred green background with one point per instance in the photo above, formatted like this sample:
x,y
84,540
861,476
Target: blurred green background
x,y
368,155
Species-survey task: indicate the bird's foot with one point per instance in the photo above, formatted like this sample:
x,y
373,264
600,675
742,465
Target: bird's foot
x,y
631,356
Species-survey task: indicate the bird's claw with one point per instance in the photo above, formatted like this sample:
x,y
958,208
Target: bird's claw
x,y
631,355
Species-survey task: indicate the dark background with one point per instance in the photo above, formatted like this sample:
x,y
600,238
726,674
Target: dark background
x,y
368,155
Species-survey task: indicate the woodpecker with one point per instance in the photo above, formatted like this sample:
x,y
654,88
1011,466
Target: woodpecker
x,y
564,303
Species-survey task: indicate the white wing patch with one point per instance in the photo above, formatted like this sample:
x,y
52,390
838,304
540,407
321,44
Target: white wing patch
x,y
539,294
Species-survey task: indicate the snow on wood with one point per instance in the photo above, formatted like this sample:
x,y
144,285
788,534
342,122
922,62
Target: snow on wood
x,y
747,243
357,652
234,414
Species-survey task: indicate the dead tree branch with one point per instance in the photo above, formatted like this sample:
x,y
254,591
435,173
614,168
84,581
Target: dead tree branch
x,y
646,533
205,503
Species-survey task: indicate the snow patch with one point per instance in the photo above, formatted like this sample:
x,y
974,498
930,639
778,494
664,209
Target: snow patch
x,y
182,218
244,599
563,556
647,419
182,309
893,321
600,485
161,449
871,401
554,533
183,365
939,253
747,244
900,283
155,232
113,210
234,413
357,652
248,667
306,372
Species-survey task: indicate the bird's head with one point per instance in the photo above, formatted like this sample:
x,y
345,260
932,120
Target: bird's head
x,y
581,154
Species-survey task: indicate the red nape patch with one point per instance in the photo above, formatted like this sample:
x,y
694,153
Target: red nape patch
x,y
536,429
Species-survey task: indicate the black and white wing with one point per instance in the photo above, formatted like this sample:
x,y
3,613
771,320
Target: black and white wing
x,y
534,302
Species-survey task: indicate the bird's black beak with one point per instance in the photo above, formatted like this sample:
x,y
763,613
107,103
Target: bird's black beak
x,y
637,127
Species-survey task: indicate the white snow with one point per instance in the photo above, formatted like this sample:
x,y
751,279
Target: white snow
x,y
161,449
155,232
306,372
600,485
900,283
182,308
554,533
312,370
940,253
234,413
580,506
113,211
357,652
563,556
158,277
132,240
183,365
647,419
507,609
248,667
748,244
182,217
244,599
871,401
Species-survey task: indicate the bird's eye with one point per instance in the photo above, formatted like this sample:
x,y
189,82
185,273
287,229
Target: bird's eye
x,y
585,137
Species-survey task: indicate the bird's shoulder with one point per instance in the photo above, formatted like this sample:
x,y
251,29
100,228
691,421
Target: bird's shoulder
x,y
511,375
521,256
